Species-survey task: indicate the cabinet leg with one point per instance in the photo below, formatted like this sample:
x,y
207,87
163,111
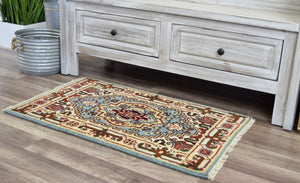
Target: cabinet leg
x,y
284,111
279,110
74,65
290,114
70,64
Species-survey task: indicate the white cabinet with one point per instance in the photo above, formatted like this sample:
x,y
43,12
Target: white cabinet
x,y
244,47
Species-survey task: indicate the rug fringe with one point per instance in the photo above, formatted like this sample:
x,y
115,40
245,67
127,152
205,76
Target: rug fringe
x,y
229,149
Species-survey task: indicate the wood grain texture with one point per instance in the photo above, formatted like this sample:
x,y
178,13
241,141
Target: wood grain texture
x,y
293,95
32,153
288,81
64,35
132,34
249,55
283,5
241,15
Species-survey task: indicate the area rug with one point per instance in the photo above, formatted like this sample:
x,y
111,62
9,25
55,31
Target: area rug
x,y
185,136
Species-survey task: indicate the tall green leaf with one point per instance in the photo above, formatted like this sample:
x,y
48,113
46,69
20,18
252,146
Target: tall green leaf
x,y
22,11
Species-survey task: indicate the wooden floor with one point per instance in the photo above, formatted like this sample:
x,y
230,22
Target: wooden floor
x,y
33,153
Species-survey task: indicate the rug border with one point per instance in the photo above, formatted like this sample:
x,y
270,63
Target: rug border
x,y
219,162
209,174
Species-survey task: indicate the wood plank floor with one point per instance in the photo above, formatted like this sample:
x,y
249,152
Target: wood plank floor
x,y
33,153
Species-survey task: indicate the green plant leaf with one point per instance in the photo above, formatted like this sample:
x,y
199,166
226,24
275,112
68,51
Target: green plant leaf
x,y
16,11
22,11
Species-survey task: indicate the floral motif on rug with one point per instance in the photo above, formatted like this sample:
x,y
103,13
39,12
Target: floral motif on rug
x,y
182,135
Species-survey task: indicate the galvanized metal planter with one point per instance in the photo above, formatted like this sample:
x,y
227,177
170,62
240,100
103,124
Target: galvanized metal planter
x,y
38,51
52,13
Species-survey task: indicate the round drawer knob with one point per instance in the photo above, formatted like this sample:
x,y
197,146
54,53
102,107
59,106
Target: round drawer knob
x,y
113,32
221,51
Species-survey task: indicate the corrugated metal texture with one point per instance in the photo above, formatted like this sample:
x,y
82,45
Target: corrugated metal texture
x,y
52,13
41,51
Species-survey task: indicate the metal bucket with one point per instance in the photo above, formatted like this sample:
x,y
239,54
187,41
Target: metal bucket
x,y
38,51
52,13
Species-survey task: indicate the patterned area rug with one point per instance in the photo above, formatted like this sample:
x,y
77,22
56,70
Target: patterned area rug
x,y
178,134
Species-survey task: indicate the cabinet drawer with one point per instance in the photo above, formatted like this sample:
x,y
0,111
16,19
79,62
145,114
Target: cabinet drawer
x,y
233,52
118,32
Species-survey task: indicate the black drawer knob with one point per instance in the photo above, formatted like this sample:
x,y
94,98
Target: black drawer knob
x,y
113,32
221,51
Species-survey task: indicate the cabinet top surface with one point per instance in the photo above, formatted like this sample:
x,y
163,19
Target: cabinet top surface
x,y
283,20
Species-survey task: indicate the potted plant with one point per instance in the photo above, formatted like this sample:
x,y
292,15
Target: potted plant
x,y
19,14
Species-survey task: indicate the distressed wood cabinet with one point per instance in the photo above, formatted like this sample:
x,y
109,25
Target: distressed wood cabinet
x,y
243,45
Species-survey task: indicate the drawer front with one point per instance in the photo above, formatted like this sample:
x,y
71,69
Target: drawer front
x,y
233,52
119,32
